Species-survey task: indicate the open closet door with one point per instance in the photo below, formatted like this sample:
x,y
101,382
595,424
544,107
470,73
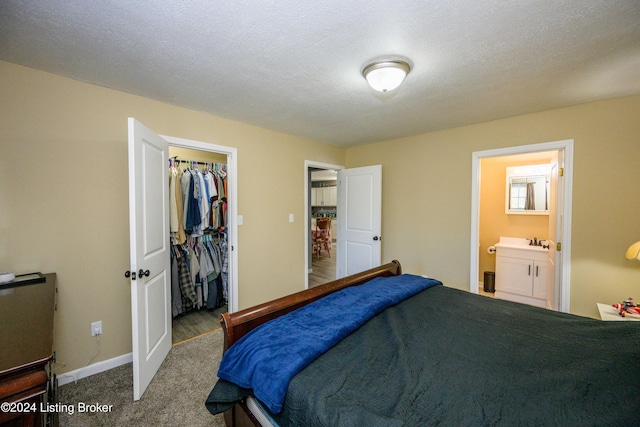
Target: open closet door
x,y
150,258
360,217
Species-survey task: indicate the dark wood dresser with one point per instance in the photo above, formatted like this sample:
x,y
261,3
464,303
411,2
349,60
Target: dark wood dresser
x,y
27,307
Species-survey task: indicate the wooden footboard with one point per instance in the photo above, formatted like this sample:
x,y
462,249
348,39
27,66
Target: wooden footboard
x,y
237,324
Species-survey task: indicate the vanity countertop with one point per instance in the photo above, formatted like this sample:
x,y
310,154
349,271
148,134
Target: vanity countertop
x,y
520,243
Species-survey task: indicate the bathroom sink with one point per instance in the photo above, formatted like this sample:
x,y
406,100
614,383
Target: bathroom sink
x,y
521,243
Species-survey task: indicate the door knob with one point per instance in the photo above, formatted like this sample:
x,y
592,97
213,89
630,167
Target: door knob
x,y
375,238
128,274
144,273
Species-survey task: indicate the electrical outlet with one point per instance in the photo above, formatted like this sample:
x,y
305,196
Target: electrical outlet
x,y
96,328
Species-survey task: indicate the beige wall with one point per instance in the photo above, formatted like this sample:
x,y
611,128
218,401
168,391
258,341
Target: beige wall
x,y
64,199
494,221
427,195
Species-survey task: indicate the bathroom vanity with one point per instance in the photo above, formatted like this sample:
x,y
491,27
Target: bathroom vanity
x,y
522,271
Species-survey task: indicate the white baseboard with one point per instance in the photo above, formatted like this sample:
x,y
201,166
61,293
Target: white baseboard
x,y
94,368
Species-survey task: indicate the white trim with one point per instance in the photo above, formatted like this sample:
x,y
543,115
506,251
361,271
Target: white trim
x,y
94,368
232,206
311,164
567,147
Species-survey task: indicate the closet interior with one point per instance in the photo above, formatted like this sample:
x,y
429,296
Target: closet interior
x,y
199,241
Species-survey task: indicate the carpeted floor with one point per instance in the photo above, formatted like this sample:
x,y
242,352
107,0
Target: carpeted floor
x,y
175,396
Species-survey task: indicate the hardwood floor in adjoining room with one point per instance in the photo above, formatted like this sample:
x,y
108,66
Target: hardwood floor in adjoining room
x,y
323,268
195,323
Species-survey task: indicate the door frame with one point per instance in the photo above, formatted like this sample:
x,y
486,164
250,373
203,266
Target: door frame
x,y
232,206
308,164
565,266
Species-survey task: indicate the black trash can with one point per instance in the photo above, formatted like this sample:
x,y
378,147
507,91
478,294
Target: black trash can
x,y
489,281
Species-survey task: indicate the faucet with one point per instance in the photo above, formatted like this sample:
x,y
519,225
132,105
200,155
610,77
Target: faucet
x,y
536,242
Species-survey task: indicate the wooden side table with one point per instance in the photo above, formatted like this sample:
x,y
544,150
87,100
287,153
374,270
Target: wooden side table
x,y
608,313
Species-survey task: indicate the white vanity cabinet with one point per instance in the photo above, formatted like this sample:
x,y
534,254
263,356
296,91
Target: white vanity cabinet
x,y
522,274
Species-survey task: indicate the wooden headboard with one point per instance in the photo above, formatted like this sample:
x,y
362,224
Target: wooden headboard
x,y
241,322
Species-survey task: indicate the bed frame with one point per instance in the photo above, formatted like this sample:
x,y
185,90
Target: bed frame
x,y
236,325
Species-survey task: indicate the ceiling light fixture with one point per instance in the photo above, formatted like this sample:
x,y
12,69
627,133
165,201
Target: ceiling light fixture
x,y
385,76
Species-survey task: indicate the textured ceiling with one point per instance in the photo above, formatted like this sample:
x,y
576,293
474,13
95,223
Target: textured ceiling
x,y
294,65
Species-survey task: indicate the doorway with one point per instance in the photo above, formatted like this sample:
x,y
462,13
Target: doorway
x,y
150,249
359,218
561,227
321,202
232,206
208,250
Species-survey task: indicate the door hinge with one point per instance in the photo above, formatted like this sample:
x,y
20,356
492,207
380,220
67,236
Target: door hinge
x,y
559,247
560,171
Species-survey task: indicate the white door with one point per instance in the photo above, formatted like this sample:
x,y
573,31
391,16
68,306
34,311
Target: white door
x,y
149,237
555,230
359,213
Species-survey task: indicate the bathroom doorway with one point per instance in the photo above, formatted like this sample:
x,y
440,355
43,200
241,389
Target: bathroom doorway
x,y
556,224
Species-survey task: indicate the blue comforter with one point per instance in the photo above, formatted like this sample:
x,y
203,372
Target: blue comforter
x,y
266,359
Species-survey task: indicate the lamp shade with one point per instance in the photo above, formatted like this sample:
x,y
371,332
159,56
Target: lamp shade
x,y
385,76
634,251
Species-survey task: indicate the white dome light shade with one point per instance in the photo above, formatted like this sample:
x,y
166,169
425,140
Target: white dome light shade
x,y
386,75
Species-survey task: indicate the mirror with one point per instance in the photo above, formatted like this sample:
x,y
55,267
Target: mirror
x,y
528,190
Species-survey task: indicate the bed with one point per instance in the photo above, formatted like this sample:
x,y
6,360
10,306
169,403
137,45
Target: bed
x,y
426,355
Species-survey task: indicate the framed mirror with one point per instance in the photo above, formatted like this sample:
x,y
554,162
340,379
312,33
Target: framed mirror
x,y
528,190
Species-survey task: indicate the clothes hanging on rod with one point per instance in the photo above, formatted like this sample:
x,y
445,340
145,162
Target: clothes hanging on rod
x,y
198,201
199,273
199,256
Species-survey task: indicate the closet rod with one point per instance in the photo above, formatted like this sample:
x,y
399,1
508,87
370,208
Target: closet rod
x,y
175,159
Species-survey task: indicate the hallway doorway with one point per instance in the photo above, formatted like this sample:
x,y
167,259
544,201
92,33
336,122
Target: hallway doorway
x,y
322,202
